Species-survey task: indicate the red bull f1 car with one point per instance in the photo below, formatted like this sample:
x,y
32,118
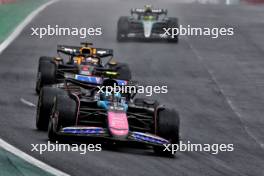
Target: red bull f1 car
x,y
83,60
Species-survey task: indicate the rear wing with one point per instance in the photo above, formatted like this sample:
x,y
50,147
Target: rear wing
x,y
153,11
88,51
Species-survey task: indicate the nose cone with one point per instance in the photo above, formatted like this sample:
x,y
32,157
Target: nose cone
x,y
147,25
118,124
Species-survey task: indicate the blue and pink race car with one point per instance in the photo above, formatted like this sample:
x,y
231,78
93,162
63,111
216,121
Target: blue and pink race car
x,y
79,109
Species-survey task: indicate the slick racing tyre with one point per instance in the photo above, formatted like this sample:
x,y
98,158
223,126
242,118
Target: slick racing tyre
x,y
122,28
123,70
64,113
146,103
45,59
44,108
173,23
46,73
168,123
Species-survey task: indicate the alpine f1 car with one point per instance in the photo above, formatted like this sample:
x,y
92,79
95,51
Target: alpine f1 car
x,y
147,23
83,60
89,113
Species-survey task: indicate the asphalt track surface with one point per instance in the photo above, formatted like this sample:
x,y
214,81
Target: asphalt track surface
x,y
216,84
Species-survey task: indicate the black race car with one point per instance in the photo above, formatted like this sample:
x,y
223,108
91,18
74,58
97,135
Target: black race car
x,y
83,111
83,60
147,23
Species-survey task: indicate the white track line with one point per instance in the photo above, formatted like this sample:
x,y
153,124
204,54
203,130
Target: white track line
x,y
30,159
28,103
22,25
3,143
227,99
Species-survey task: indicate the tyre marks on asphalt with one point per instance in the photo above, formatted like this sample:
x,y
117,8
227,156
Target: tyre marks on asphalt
x,y
226,97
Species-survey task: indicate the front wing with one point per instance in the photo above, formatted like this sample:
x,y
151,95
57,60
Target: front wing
x,y
133,136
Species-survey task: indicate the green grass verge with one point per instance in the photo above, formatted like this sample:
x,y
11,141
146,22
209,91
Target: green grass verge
x,y
12,14
11,165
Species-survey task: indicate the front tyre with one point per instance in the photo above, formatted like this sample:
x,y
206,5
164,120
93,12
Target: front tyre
x,y
44,108
168,122
64,114
124,72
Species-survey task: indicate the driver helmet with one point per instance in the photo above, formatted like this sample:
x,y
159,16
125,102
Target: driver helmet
x,y
148,8
117,97
107,96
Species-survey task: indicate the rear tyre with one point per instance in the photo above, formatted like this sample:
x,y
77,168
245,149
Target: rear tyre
x,y
41,59
168,123
146,103
173,23
122,28
46,73
44,108
64,115
123,70
45,59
